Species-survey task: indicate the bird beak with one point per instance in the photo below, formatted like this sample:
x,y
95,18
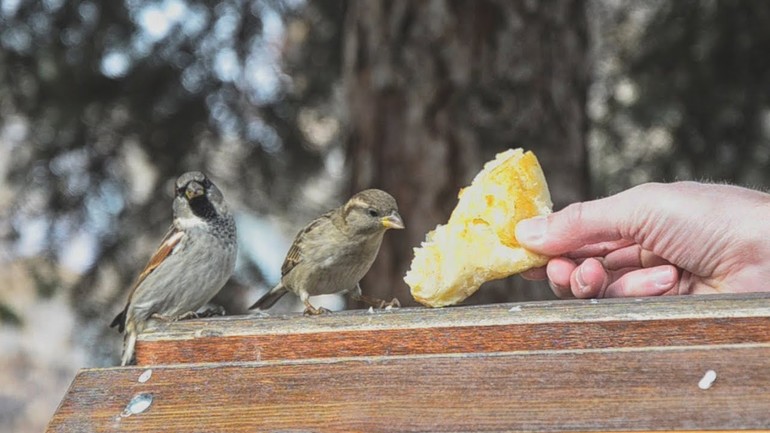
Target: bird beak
x,y
194,189
393,221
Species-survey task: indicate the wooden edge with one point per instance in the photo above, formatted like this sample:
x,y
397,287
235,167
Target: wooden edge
x,y
590,390
681,321
455,340
561,311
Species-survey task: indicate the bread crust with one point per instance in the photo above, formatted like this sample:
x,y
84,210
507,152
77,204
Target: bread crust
x,y
478,243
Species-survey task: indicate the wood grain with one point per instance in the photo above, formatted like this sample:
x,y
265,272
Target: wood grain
x,y
558,325
572,390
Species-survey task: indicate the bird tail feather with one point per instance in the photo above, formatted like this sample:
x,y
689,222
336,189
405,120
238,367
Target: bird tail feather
x,y
270,298
120,320
129,343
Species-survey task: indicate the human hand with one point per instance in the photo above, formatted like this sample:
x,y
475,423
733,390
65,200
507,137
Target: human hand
x,y
655,239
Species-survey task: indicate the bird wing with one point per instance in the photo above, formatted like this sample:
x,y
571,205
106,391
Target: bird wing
x,y
167,245
294,256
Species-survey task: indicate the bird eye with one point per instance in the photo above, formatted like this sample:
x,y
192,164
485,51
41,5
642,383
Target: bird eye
x,y
373,213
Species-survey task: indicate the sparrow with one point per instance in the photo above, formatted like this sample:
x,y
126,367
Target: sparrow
x,y
192,263
333,252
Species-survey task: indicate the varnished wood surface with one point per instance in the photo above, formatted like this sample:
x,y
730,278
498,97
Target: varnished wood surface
x,y
556,325
628,389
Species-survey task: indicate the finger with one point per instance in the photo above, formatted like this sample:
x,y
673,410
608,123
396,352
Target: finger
x,y
633,256
592,222
535,274
600,249
576,226
561,292
589,279
559,270
644,282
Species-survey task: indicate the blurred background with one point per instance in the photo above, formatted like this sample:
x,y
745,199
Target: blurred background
x,y
291,106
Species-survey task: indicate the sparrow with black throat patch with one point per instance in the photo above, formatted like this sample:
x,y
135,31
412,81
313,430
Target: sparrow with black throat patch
x,y
193,262
333,252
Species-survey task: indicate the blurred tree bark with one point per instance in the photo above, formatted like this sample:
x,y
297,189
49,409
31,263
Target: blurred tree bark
x,y
436,88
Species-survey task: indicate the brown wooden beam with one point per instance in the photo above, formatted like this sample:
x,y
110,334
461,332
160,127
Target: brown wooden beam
x,y
626,389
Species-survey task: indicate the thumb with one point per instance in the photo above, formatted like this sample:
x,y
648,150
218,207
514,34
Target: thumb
x,y
576,226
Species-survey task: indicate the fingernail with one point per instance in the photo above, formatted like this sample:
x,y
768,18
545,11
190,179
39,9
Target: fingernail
x,y
531,231
663,278
582,286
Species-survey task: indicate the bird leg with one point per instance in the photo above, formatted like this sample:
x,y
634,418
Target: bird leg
x,y
310,310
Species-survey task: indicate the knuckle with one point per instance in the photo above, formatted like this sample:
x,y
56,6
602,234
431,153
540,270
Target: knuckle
x,y
574,214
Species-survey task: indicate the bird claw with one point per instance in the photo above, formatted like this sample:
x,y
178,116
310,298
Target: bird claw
x,y
394,303
213,310
377,303
313,311
188,315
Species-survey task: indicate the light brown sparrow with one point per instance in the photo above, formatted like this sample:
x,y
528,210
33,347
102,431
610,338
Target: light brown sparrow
x,y
333,252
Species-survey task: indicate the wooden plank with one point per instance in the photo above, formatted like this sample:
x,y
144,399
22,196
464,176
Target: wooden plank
x,y
576,390
557,325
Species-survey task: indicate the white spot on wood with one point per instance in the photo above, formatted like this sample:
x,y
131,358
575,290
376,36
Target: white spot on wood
x,y
370,310
515,309
144,377
138,404
707,380
594,301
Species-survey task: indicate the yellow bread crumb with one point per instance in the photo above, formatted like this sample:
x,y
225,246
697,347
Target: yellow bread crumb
x,y
478,243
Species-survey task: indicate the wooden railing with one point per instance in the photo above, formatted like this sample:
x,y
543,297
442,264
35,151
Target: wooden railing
x,y
607,365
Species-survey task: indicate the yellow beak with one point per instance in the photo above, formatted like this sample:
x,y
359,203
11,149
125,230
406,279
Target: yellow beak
x,y
393,221
194,189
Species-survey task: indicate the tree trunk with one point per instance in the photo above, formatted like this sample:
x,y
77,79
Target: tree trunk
x,y
436,88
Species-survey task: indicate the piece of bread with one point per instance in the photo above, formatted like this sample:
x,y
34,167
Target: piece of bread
x,y
478,243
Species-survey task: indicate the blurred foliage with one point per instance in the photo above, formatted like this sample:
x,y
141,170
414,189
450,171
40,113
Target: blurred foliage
x,y
683,93
92,89
8,316
45,277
